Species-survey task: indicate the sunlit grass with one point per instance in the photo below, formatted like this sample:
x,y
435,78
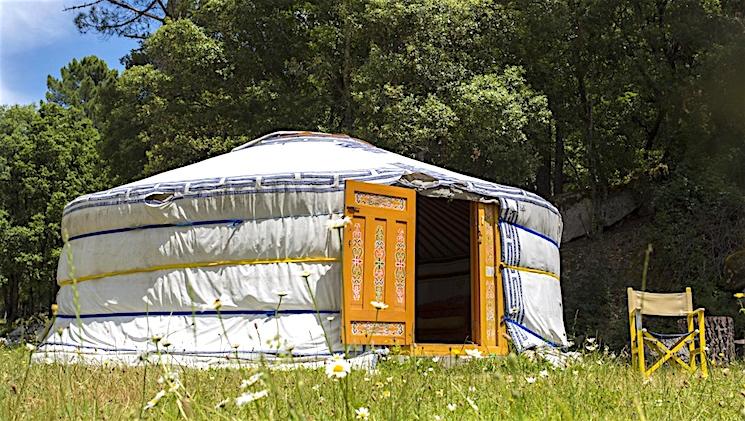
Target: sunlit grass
x,y
598,387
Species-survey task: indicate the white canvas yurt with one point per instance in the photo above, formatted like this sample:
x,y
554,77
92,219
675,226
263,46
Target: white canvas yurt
x,y
288,244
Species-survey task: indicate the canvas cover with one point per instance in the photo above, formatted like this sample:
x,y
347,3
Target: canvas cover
x,y
150,258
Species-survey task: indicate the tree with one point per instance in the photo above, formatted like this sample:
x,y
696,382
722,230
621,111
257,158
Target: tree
x,y
47,158
80,84
129,18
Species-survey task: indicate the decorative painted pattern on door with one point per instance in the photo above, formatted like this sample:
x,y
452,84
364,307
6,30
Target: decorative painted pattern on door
x,y
378,257
492,330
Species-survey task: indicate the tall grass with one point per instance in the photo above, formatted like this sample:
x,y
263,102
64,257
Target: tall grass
x,y
598,387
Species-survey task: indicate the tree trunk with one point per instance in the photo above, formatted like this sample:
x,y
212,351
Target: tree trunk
x,y
558,159
720,338
10,297
543,174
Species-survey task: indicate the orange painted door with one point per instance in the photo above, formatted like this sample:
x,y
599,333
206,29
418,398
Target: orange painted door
x,y
378,264
491,330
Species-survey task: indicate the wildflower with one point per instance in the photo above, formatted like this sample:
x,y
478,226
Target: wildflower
x,y
435,359
330,318
740,295
389,379
282,294
474,353
451,407
306,273
543,373
530,380
166,344
338,223
143,356
222,404
472,404
379,305
590,344
386,394
362,413
471,389
55,308
437,418
154,401
217,304
455,352
316,387
439,393
251,380
30,347
156,338
337,367
249,397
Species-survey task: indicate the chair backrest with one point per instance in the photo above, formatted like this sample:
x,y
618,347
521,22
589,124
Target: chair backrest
x,y
657,304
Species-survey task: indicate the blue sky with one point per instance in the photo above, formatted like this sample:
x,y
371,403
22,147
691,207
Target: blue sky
x,y
37,38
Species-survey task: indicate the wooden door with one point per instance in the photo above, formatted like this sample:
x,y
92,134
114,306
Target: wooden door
x,y
488,300
378,264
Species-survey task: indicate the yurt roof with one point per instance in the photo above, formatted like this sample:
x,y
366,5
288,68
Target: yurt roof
x,y
309,161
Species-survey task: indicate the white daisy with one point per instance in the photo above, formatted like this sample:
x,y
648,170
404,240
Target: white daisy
x,y
379,305
337,367
249,397
474,353
362,413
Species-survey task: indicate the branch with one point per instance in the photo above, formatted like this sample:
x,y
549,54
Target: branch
x,y
81,6
139,12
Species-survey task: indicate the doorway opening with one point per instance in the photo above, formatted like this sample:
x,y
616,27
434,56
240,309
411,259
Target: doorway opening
x,y
443,271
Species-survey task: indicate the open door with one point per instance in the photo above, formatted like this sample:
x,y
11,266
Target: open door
x,y
490,332
378,264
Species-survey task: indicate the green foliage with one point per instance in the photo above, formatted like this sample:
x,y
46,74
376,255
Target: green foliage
x,y
47,158
80,85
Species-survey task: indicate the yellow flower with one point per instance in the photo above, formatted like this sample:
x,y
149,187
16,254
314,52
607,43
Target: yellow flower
x,y
740,295
55,308
379,305
217,305
337,367
386,394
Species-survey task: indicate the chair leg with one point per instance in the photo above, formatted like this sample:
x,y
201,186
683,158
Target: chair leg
x,y
640,352
691,345
702,344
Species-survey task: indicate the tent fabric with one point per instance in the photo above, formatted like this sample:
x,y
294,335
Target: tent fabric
x,y
151,257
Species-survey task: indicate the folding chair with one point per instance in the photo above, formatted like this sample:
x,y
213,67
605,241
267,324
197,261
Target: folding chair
x,y
670,305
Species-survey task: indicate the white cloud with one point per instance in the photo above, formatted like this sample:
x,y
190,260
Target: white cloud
x,y
27,24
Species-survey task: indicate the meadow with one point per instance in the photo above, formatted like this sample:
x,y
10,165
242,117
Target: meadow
x,y
596,386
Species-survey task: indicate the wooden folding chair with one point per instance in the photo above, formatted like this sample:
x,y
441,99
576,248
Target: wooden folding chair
x,y
669,305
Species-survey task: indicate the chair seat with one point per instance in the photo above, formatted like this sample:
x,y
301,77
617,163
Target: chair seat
x,y
667,335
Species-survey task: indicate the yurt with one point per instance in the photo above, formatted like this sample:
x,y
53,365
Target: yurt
x,y
305,244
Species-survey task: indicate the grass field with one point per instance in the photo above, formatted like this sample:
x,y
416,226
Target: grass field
x,y
597,387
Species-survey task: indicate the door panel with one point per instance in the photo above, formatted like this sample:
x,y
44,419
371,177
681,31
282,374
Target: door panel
x,y
489,283
378,264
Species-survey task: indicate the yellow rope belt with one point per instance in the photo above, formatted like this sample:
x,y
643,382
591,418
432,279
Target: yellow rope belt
x,y
198,265
524,269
